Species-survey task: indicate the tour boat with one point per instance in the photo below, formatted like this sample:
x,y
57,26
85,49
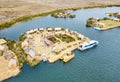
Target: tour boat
x,y
97,28
87,45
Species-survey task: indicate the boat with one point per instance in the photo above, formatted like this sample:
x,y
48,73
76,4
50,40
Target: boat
x,y
67,57
44,58
97,28
87,45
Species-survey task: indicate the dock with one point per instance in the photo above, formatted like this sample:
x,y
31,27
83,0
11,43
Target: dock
x,y
67,57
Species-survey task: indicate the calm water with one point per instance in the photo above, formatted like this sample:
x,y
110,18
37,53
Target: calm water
x,y
99,64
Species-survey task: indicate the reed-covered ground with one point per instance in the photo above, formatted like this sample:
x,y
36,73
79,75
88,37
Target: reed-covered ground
x,y
12,11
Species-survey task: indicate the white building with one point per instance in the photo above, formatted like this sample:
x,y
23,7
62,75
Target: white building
x,y
3,47
2,41
116,19
31,53
8,54
12,63
58,29
25,44
49,29
40,29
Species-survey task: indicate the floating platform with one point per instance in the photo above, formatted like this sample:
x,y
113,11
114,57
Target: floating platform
x,y
67,57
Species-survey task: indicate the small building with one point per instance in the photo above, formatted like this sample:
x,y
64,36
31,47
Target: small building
x,y
58,33
3,48
118,13
49,36
12,63
30,31
8,54
36,29
99,24
58,29
29,36
48,42
26,48
41,29
80,36
31,53
25,44
116,19
49,29
67,30
71,32
74,33
2,41
96,19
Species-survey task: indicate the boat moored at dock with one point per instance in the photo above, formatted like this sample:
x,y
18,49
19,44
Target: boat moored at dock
x,y
87,45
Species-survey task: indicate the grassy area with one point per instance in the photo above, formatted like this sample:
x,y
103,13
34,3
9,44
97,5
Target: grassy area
x,y
65,38
53,39
28,17
110,23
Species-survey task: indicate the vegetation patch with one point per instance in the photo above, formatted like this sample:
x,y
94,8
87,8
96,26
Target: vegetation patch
x,y
65,38
34,62
53,39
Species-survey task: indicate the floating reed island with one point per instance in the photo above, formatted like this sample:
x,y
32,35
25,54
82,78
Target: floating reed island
x,y
116,14
103,23
63,15
51,44
9,65
40,44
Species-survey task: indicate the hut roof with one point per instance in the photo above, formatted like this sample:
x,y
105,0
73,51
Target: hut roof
x,y
2,47
2,41
31,53
12,62
9,52
49,29
58,28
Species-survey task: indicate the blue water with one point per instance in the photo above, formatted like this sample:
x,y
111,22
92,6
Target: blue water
x,y
99,64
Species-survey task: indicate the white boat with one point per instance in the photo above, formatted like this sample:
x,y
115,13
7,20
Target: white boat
x,y
87,45
97,28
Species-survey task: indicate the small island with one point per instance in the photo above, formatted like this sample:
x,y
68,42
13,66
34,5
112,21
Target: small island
x,y
36,45
103,23
63,15
51,44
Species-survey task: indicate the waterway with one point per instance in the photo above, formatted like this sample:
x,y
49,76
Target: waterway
x,y
99,64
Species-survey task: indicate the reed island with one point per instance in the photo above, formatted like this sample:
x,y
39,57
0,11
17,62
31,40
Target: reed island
x,y
51,44
36,45
63,15
105,23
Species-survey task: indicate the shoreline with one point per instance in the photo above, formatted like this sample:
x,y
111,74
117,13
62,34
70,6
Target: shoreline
x,y
104,29
30,17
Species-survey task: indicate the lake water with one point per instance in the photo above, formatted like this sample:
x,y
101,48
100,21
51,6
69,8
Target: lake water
x,y
99,64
